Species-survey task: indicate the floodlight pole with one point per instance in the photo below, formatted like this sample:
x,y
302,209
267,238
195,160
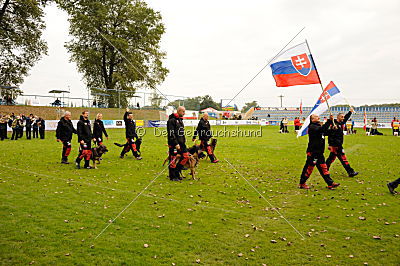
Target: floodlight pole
x,y
281,96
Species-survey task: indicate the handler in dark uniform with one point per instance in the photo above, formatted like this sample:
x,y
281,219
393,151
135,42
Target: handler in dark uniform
x,y
85,140
335,140
176,144
64,132
315,152
131,136
203,130
98,130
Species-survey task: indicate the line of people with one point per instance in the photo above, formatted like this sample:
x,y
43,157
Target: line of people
x,y
34,126
65,130
317,131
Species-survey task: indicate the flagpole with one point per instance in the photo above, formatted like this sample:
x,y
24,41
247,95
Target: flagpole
x,y
320,83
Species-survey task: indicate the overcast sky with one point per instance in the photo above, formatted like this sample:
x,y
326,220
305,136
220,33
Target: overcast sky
x,y
216,47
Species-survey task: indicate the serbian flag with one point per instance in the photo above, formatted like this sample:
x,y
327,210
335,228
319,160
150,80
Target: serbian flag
x,y
294,66
332,94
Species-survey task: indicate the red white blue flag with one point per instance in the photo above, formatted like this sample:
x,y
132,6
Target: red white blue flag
x,y
294,66
331,93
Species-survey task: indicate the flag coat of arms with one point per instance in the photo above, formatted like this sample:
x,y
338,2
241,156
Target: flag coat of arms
x,y
332,94
294,66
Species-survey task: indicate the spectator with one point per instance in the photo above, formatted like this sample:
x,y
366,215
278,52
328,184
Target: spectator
x,y
42,127
35,127
395,126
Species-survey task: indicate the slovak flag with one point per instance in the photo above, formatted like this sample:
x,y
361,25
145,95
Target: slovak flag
x,y
331,93
294,66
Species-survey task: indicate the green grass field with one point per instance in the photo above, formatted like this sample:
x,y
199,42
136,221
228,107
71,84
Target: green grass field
x,y
51,213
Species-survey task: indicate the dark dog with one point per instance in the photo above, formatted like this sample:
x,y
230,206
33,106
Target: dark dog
x,y
213,145
97,152
138,143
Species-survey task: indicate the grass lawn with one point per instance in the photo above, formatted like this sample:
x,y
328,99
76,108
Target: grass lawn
x,y
52,213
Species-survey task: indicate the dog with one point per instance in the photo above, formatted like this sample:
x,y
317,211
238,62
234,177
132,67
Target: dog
x,y
138,143
195,154
213,145
97,153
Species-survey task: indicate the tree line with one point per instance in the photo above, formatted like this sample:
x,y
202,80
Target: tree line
x,y
115,43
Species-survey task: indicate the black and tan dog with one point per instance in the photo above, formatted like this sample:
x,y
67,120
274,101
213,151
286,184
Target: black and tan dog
x,y
97,152
195,154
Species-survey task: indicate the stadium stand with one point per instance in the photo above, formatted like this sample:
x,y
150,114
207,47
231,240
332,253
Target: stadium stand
x,y
382,114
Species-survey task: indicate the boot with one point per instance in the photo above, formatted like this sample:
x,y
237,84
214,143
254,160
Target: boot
x,y
78,163
87,166
64,160
213,159
174,174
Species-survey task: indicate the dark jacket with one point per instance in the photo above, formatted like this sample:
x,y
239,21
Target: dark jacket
x,y
84,130
28,122
203,130
41,124
65,129
130,127
98,129
335,136
316,140
176,130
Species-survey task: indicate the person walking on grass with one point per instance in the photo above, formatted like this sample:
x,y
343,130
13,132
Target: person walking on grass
x,y
98,129
177,144
335,140
64,132
131,136
315,153
85,138
204,132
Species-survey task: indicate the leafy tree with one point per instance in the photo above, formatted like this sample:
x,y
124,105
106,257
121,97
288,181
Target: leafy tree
x,y
207,101
116,45
247,106
21,46
196,103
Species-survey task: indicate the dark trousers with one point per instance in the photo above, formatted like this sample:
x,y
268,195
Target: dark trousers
x,y
395,130
28,133
41,133
338,152
35,133
130,145
3,132
14,135
315,159
85,152
395,183
20,132
66,150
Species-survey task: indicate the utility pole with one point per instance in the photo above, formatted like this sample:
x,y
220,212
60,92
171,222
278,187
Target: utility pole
x,y
281,96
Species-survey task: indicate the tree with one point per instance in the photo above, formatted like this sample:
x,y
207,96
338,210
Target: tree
x,y
196,103
207,101
21,46
247,106
116,45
